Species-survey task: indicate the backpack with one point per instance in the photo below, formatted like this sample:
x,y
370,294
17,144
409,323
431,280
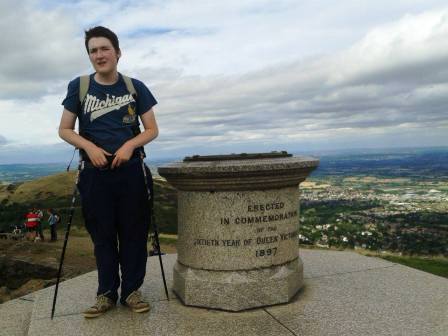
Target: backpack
x,y
58,218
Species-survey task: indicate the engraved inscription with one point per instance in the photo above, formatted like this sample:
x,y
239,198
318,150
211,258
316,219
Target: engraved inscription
x,y
265,218
206,242
272,213
225,221
266,252
265,207
231,242
290,235
267,240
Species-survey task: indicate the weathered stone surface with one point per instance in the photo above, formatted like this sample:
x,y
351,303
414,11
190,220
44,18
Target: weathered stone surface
x,y
238,174
392,300
229,231
344,294
238,290
76,294
166,318
320,263
15,316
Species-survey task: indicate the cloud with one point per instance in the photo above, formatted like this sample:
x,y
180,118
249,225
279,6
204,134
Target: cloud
x,y
42,52
351,90
32,122
410,50
2,140
55,153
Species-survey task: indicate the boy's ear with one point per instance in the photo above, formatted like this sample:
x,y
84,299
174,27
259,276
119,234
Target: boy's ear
x,y
118,54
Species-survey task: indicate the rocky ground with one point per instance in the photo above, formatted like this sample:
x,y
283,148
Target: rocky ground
x,y
27,266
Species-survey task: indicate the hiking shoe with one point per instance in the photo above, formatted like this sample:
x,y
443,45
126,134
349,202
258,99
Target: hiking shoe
x,y
136,303
102,305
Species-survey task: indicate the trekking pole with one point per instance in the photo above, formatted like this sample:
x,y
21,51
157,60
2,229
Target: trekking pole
x,y
72,210
154,225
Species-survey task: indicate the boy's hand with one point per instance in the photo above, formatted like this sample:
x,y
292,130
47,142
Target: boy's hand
x,y
97,155
123,154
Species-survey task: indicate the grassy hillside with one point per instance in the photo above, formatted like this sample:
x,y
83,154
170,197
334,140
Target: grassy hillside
x,y
437,266
46,190
55,191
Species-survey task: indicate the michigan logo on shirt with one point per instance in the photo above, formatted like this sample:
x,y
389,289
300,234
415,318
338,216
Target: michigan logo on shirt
x,y
97,107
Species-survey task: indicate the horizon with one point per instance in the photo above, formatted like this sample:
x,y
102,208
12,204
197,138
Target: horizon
x,y
354,151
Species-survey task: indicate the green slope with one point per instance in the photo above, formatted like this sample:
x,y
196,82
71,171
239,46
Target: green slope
x,y
55,191
437,266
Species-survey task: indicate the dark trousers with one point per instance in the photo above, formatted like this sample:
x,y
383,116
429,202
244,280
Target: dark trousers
x,y
53,232
117,217
40,232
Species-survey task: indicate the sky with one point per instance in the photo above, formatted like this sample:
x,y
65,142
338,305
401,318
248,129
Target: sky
x,y
236,76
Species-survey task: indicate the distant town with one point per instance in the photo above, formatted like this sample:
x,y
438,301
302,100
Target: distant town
x,y
394,214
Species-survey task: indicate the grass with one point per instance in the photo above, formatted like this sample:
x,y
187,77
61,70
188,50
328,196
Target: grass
x,y
74,231
167,240
437,266
58,185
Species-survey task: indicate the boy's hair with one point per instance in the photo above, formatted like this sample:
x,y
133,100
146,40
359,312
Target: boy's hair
x,y
100,31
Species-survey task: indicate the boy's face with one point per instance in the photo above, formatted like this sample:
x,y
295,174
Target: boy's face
x,y
103,55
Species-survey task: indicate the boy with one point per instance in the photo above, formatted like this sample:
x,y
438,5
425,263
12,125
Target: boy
x,y
113,193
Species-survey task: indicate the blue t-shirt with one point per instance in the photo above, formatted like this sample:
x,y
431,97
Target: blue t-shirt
x,y
109,112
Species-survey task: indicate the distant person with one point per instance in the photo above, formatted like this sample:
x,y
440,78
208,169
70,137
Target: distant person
x,y
31,223
39,228
53,220
109,106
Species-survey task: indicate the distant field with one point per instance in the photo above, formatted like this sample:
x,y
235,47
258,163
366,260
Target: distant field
x,y
314,185
370,179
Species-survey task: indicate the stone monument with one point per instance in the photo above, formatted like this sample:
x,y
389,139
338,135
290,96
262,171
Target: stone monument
x,y
238,218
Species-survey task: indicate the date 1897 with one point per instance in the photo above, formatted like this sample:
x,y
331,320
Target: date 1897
x,y
266,252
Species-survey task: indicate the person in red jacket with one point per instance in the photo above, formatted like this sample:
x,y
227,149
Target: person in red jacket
x,y
31,223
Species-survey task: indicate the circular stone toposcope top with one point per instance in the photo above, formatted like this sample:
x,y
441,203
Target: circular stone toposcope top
x,y
239,174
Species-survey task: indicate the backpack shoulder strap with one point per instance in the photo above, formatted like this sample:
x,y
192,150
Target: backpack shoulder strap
x,y
84,82
131,89
129,85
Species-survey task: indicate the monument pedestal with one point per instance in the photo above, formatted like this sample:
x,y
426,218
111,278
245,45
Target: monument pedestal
x,y
238,290
238,220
